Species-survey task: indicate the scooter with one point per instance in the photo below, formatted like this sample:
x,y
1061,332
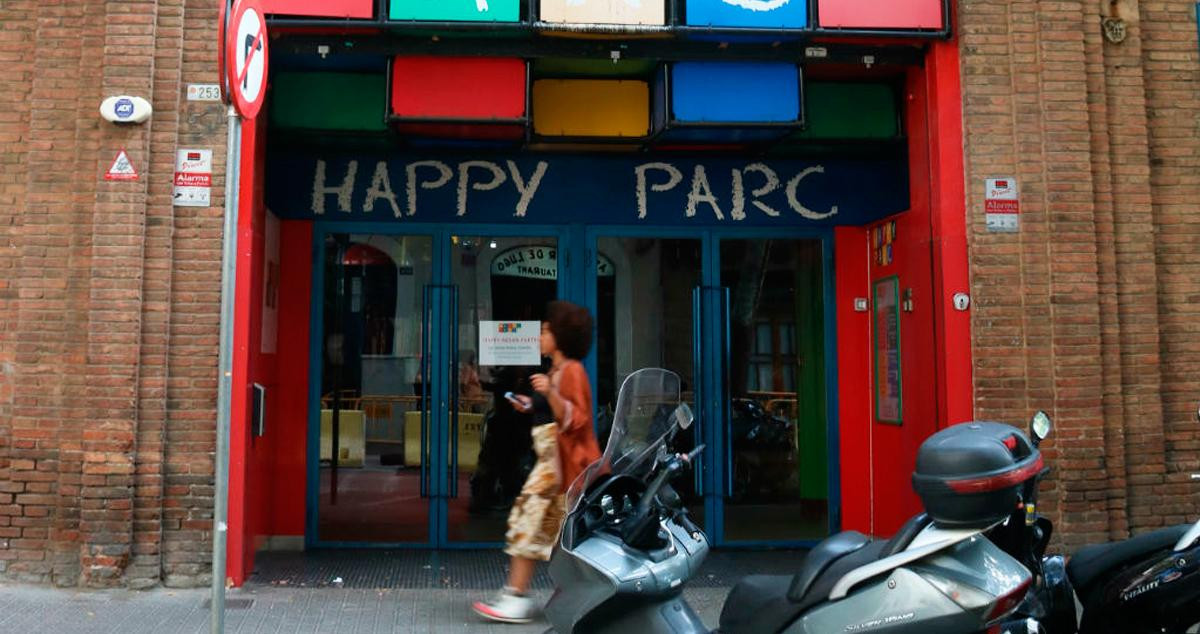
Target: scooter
x,y
1146,584
628,547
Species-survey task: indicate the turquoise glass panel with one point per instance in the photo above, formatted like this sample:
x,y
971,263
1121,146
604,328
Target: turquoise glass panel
x,y
456,10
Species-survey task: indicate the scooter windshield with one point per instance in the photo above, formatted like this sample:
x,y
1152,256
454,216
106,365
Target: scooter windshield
x,y
644,416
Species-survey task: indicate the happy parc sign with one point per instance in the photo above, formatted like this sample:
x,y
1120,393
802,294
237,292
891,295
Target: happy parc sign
x,y
595,190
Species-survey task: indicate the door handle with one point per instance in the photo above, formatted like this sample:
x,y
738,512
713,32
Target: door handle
x,y
425,405
697,388
455,396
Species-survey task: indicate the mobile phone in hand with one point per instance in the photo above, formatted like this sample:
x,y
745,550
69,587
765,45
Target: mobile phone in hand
x,y
520,402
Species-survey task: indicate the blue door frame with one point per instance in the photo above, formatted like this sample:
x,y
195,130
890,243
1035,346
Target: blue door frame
x,y
440,341
577,246
712,349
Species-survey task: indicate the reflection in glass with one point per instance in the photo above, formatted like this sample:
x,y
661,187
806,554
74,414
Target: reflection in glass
x,y
645,289
370,389
777,458
499,278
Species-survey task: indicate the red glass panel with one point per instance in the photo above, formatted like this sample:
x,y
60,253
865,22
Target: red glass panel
x,y
458,87
880,14
321,8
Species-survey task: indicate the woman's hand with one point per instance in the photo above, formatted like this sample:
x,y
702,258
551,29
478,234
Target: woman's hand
x,y
541,384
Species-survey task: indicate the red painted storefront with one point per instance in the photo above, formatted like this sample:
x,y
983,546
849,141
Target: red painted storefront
x,y
268,473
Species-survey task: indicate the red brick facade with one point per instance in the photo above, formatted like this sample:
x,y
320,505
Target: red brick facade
x,y
109,295
1092,311
108,298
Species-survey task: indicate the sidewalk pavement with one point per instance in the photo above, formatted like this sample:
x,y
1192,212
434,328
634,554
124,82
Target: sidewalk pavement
x,y
271,609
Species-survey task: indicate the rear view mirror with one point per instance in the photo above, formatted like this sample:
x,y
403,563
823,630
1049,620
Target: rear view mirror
x,y
1041,426
684,416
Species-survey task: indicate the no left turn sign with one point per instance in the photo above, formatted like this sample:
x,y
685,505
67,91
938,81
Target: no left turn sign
x,y
246,57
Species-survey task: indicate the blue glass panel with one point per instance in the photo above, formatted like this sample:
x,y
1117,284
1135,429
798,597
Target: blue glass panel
x,y
787,14
735,92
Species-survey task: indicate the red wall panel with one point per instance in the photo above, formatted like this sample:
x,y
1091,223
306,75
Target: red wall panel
x,y
287,430
880,14
854,372
458,87
321,8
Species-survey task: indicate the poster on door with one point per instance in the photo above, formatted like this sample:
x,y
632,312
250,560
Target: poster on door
x,y
510,343
888,407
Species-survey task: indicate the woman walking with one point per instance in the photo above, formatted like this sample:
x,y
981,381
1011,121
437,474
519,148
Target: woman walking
x,y
565,445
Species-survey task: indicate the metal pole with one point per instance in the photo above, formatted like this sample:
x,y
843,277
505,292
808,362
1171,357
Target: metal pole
x,y
225,363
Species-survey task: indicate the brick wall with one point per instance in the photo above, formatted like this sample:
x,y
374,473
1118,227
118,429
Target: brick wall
x,y
108,296
1091,311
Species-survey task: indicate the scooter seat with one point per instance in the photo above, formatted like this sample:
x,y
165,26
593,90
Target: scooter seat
x,y
1092,564
826,552
760,604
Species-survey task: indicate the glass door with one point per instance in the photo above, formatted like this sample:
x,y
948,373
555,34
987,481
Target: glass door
x,y
372,461
647,309
499,286
775,459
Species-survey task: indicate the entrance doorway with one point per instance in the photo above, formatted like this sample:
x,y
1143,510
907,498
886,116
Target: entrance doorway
x,y
417,445
744,321
429,452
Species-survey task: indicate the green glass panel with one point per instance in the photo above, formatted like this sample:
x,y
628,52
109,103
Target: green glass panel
x,y
573,67
849,111
811,414
329,101
456,10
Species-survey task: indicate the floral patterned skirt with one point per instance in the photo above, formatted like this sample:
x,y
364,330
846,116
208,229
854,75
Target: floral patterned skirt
x,y
538,512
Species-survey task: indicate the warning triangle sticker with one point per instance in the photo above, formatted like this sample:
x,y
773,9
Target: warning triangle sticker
x,y
122,169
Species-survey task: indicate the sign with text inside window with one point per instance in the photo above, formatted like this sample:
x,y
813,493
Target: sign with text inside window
x,y
510,343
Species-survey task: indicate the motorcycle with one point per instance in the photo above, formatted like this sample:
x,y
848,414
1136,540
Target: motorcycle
x,y
628,547
1146,584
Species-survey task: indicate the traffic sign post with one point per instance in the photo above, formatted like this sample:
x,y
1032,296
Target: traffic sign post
x,y
243,78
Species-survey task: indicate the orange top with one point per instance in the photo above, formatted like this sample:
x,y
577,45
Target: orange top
x,y
577,444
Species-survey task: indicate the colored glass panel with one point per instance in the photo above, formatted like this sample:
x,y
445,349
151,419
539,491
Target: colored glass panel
x,y
604,11
321,8
458,87
328,101
778,14
880,14
591,107
735,92
849,111
456,10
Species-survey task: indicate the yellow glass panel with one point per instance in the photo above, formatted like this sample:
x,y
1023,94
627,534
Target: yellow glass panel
x,y
591,107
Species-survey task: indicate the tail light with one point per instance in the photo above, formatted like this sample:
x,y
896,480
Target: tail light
x,y
1008,602
1000,481
968,597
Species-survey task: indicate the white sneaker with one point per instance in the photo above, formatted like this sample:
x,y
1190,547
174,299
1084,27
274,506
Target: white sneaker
x,y
507,607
